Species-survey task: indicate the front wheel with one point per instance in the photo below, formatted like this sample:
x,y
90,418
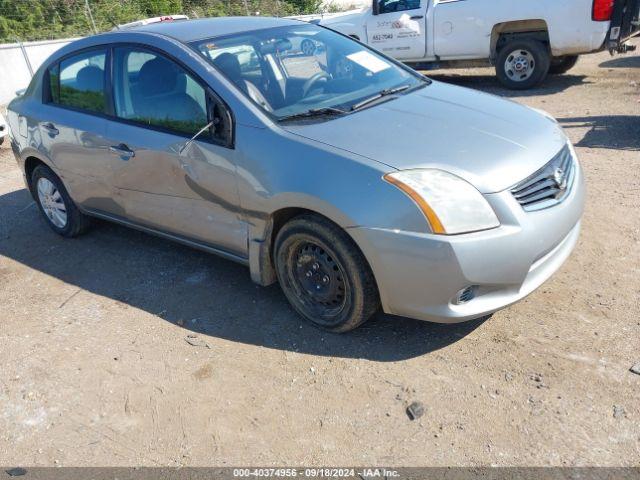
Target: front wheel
x,y
560,65
522,64
324,275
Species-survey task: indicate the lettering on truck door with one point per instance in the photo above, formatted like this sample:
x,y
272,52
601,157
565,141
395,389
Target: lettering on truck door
x,y
397,28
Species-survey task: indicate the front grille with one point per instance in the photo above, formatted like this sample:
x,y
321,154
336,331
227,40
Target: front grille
x,y
549,185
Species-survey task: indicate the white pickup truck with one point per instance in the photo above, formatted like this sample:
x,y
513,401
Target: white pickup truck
x,y
524,39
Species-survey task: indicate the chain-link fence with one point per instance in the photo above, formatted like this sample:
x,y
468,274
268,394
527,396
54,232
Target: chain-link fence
x,y
31,20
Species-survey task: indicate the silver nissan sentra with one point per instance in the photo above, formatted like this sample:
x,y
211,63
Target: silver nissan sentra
x,y
353,181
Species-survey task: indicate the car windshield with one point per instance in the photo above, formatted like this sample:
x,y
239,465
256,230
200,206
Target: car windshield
x,y
304,69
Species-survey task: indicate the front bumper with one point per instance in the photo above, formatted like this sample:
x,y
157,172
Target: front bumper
x,y
419,275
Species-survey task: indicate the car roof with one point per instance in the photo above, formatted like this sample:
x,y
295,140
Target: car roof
x,y
190,30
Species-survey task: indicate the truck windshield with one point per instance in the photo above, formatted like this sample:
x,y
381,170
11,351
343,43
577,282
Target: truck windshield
x,y
289,71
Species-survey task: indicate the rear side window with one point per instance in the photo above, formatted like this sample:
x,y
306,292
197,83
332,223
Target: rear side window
x,y
79,81
152,90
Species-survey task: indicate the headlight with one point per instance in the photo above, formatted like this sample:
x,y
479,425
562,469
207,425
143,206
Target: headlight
x,y
450,204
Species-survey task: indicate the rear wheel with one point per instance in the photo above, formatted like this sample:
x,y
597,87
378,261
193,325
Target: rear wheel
x,y
560,65
56,205
522,64
324,275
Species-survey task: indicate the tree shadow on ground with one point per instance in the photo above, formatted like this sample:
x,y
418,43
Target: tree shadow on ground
x,y
614,132
198,291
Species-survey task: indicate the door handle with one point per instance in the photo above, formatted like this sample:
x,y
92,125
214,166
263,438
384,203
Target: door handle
x,y
417,17
50,129
124,152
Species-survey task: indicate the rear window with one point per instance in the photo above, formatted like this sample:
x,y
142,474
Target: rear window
x,y
79,82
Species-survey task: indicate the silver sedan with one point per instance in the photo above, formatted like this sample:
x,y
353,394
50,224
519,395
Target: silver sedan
x,y
353,181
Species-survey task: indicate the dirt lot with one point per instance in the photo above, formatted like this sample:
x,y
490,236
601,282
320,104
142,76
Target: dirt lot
x,y
96,368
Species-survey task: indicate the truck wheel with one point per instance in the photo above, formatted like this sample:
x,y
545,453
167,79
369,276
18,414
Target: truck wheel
x,y
560,65
324,275
522,64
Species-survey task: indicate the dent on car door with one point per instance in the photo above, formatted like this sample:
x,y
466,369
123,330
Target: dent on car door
x,y
164,181
72,129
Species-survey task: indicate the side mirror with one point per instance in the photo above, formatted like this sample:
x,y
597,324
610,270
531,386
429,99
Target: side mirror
x,y
221,126
219,129
186,144
283,45
375,7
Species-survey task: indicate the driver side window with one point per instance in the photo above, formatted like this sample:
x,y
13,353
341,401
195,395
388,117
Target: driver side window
x,y
389,6
152,90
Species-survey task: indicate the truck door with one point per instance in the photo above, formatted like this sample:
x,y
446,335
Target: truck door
x,y
462,28
397,28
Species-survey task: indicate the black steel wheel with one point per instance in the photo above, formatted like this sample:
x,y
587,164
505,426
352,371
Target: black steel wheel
x,y
324,275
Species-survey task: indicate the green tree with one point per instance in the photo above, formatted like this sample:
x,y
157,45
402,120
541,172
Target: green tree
x,y
30,20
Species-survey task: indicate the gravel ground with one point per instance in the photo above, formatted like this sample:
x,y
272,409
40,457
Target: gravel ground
x,y
98,366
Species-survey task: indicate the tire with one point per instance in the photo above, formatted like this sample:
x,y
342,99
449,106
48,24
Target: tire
x,y
560,65
51,204
530,55
324,275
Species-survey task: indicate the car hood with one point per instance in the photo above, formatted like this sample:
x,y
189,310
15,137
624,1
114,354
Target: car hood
x,y
490,142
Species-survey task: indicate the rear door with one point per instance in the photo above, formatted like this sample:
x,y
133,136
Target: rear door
x,y
161,180
72,126
398,28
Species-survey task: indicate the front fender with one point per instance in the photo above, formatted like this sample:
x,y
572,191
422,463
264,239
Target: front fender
x,y
279,170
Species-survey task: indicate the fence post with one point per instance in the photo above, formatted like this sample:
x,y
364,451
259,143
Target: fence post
x,y
26,57
93,24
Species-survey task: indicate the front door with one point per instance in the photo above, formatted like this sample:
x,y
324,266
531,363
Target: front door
x,y
398,29
161,180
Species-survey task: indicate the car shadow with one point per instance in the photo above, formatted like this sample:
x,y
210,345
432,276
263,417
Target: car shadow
x,y
489,83
613,132
198,291
629,61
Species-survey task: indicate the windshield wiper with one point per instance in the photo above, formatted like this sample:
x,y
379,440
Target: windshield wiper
x,y
315,112
383,93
